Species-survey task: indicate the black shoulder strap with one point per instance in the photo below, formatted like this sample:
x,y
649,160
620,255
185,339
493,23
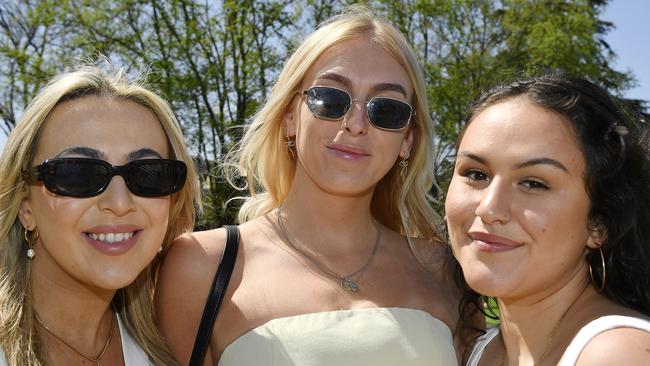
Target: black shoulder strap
x,y
217,291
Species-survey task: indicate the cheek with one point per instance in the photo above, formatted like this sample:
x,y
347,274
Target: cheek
x,y
157,211
556,218
459,208
57,211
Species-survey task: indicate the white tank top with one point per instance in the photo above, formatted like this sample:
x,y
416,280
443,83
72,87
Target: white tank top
x,y
133,354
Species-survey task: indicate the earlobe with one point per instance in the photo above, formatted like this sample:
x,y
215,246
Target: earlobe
x,y
25,215
407,144
597,237
289,122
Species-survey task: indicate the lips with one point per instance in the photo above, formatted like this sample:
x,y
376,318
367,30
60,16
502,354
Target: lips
x,y
348,152
492,243
113,240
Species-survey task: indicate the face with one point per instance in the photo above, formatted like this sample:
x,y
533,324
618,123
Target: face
x,y
103,241
349,156
517,207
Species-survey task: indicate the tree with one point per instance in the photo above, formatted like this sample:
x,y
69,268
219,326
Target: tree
x,y
216,60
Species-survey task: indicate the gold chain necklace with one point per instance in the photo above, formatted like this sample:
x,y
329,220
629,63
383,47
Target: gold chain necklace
x,y
504,354
348,282
95,359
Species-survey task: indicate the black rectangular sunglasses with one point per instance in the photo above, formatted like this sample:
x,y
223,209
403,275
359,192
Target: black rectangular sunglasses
x,y
87,177
384,113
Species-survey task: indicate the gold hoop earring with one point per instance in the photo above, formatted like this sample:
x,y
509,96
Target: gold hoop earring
x,y
604,276
30,239
404,165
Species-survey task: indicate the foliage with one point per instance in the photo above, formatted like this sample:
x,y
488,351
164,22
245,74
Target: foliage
x,y
216,60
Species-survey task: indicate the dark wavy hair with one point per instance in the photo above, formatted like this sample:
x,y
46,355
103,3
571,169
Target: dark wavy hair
x,y
616,146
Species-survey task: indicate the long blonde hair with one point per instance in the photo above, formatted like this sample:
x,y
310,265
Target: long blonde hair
x,y
18,335
404,206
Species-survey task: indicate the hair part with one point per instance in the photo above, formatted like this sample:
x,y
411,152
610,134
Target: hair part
x,y
18,333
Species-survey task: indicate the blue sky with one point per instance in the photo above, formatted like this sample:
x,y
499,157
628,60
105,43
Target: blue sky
x,y
629,40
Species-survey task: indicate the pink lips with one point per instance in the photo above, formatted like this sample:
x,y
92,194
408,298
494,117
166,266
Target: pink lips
x,y
113,247
348,152
492,243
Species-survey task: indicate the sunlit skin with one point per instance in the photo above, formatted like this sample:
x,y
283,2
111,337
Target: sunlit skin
x,y
327,213
349,156
74,277
517,206
517,211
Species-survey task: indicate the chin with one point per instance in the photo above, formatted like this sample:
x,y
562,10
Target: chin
x,y
115,280
484,280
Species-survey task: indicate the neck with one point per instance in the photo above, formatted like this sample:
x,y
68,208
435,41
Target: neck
x,y
79,314
530,325
319,219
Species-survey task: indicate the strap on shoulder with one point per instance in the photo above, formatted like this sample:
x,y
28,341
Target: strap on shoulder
x,y
215,296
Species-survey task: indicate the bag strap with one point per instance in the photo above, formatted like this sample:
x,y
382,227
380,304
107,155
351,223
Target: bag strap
x,y
215,296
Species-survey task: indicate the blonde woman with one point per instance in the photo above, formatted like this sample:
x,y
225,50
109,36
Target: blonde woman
x,y
333,237
95,181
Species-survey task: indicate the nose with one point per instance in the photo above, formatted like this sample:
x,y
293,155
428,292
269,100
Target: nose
x,y
117,198
355,122
495,203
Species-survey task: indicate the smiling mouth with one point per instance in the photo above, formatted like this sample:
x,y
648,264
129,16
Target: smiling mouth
x,y
111,237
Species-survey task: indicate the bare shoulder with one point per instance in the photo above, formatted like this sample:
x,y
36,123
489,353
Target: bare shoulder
x,y
620,346
191,257
436,258
435,269
184,281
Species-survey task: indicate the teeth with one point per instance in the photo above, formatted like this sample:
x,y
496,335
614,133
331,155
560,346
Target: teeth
x,y
111,237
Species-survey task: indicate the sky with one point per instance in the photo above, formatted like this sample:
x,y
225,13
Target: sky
x,y
629,40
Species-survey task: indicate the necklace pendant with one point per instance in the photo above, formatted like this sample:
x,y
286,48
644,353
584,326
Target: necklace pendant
x,y
349,285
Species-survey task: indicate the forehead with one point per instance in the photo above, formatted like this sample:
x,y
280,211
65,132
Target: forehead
x,y
517,129
112,126
363,62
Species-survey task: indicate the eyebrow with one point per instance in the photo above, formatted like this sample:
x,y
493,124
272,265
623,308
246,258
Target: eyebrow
x,y
96,154
531,162
543,161
81,150
144,153
328,75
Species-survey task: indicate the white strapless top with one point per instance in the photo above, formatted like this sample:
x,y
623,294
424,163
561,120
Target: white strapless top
x,y
368,336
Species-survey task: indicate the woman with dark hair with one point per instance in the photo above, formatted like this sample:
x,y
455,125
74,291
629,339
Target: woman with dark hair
x,y
548,212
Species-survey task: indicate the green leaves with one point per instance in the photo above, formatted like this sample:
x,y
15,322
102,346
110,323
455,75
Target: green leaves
x,y
216,60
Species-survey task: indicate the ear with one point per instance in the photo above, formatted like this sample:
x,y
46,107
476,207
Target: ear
x,y
597,236
289,121
407,144
26,216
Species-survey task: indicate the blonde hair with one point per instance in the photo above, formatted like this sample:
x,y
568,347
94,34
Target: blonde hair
x,y
18,335
404,206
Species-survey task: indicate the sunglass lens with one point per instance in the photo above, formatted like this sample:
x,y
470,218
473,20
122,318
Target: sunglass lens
x,y
387,113
327,102
152,178
76,178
